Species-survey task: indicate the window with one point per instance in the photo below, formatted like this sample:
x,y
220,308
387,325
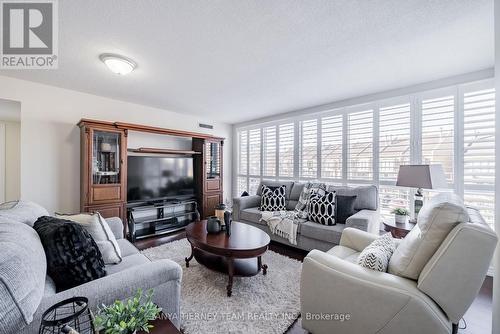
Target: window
x,y
360,137
269,159
394,140
331,147
354,145
479,151
309,149
286,149
254,152
438,122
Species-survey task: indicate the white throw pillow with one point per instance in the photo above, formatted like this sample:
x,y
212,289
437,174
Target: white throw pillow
x,y
376,255
436,219
100,231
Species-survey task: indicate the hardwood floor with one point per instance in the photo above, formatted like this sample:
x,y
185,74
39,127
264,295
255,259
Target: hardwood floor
x,y
478,317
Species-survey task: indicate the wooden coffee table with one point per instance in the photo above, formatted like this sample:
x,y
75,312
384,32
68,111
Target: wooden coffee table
x,y
237,255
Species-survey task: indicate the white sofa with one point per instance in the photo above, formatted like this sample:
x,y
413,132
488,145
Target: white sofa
x,y
334,286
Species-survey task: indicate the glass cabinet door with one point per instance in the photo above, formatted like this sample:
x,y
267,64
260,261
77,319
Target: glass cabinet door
x,y
213,160
105,157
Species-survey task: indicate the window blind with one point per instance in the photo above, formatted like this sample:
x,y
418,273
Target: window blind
x,y
331,147
243,153
360,139
438,121
309,148
269,159
394,140
254,151
286,149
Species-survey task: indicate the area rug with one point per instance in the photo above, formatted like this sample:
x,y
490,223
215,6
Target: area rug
x,y
259,304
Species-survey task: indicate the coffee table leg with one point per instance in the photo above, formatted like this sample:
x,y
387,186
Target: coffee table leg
x,y
261,266
187,259
231,273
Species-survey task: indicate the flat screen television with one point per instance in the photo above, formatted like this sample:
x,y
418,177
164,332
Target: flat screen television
x,y
159,178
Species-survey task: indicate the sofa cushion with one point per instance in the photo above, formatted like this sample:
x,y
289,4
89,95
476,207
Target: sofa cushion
x,y
435,220
23,270
252,215
100,231
321,232
126,247
296,191
25,212
273,199
367,196
291,204
321,209
73,257
274,184
127,262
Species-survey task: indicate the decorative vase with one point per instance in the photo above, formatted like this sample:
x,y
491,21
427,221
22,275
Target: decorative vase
x,y
213,224
228,220
400,219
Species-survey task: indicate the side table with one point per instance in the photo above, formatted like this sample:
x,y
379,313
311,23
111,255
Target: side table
x,y
398,231
162,326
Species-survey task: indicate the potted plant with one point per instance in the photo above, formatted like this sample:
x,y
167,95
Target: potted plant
x,y
129,316
400,215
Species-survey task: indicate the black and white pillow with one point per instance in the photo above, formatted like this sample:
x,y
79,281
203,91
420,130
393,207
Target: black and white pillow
x,y
321,209
273,199
309,190
376,256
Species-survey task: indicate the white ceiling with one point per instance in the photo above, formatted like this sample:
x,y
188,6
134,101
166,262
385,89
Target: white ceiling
x,y
239,60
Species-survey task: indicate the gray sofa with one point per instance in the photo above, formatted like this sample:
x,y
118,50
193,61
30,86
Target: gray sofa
x,y
313,235
26,291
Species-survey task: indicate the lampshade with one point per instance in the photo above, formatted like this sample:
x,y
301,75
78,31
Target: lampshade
x,y
421,176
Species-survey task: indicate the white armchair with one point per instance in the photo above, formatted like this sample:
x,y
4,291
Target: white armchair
x,y
339,296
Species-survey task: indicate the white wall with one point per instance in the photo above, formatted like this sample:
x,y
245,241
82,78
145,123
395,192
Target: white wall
x,y
12,160
50,142
496,279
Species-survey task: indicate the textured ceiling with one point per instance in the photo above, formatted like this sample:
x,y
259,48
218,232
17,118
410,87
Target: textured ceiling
x,y
239,60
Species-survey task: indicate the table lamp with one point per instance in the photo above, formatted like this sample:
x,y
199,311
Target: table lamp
x,y
421,177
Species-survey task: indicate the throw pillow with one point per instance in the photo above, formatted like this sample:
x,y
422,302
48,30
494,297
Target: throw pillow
x,y
73,257
21,211
376,256
308,190
436,219
321,209
273,200
100,231
344,208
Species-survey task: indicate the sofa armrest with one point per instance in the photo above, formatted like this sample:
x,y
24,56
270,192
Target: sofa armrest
x,y
242,203
365,220
163,276
116,226
374,301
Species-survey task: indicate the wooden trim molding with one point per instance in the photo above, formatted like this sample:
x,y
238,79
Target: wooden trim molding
x,y
147,128
161,151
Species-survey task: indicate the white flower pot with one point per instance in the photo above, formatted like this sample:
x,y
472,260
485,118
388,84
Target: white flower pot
x,y
400,219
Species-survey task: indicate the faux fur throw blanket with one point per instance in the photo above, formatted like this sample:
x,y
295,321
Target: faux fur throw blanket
x,y
282,223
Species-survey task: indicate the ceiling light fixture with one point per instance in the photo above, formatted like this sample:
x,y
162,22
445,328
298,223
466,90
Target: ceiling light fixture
x,y
118,64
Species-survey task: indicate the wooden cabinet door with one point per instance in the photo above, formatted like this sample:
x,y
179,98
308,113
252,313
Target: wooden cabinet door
x,y
210,202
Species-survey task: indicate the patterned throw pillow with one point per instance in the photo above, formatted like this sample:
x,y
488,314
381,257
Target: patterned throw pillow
x,y
273,199
308,190
376,255
321,209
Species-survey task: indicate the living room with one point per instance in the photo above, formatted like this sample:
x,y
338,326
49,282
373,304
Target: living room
x,y
249,167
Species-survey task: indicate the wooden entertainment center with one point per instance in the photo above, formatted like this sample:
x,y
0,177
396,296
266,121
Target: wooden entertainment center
x,y
103,176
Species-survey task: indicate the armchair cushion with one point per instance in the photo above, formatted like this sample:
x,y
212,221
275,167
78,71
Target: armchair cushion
x,y
435,220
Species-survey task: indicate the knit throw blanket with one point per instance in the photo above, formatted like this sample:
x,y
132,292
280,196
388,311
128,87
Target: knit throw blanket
x,y
283,224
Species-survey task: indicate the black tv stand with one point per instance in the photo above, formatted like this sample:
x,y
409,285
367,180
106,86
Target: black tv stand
x,y
150,219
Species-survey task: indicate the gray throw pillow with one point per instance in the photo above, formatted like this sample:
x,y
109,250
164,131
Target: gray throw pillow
x,y
100,231
376,256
